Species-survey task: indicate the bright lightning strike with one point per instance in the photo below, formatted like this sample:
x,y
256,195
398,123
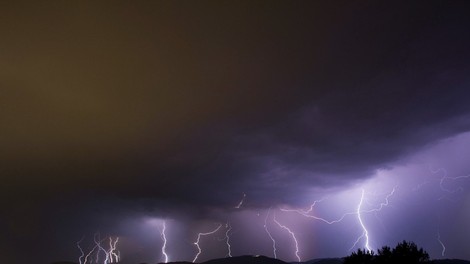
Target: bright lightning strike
x,y
365,233
98,241
163,235
227,239
291,233
111,255
358,212
269,233
199,238
307,212
87,256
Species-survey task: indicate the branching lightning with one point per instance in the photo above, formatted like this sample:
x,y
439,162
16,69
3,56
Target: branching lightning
x,y
227,239
105,249
98,240
199,238
81,250
269,233
112,255
291,233
358,212
163,235
447,178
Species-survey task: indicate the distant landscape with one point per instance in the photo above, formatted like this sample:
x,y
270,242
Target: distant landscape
x,y
267,260
403,252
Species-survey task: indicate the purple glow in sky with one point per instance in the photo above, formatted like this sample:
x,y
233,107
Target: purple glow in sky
x,y
415,198
292,130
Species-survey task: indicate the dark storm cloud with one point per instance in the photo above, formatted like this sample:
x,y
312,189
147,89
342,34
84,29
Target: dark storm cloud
x,y
210,100
349,126
164,107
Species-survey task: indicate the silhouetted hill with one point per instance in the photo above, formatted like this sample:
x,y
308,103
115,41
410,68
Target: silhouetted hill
x,y
450,261
245,260
267,260
341,260
323,261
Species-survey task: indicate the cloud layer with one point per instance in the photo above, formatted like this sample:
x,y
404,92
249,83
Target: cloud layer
x,y
179,110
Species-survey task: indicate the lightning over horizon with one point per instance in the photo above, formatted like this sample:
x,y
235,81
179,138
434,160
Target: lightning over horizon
x,y
163,236
269,233
358,212
296,244
81,250
227,239
365,233
188,131
199,238
366,203
443,252
112,255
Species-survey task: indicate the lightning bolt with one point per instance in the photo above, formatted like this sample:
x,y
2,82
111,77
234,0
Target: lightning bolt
x,y
269,233
292,235
365,233
81,250
442,244
118,255
112,256
227,239
241,201
89,254
199,238
97,239
358,212
163,235
306,212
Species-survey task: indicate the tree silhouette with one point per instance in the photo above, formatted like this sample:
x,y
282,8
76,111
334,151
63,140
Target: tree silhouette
x,y
404,252
360,256
408,252
384,255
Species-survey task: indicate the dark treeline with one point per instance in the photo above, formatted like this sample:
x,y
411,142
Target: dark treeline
x,y
404,252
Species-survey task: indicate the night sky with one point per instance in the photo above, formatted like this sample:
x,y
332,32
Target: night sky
x,y
120,118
